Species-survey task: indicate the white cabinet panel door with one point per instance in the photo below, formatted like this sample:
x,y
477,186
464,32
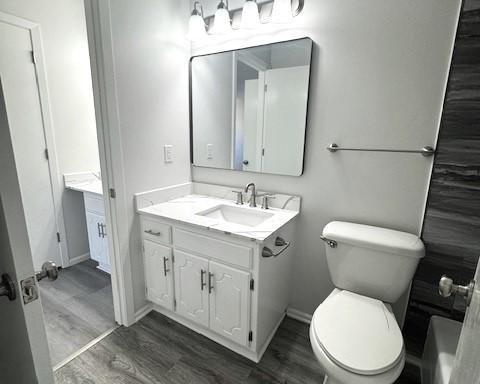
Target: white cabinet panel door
x,y
191,290
98,244
229,302
158,274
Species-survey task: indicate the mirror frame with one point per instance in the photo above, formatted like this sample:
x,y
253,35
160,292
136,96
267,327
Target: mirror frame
x,y
190,102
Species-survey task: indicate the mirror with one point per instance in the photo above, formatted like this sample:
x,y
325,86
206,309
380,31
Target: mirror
x,y
249,108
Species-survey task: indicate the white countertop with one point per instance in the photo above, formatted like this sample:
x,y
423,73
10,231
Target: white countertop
x,y
88,182
185,209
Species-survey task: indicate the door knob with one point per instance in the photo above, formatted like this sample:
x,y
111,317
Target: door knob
x,y
7,287
49,270
447,288
245,162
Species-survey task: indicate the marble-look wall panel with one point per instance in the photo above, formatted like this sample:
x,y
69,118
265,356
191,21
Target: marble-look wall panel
x,y
451,229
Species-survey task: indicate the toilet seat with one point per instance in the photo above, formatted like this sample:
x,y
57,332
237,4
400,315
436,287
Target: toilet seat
x,y
358,333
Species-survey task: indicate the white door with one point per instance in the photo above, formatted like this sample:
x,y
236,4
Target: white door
x,y
284,120
466,368
24,355
158,274
24,114
191,290
229,302
96,238
252,131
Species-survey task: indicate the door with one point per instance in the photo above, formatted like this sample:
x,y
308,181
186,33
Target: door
x,y
24,356
229,302
158,274
466,368
285,111
24,114
191,291
253,131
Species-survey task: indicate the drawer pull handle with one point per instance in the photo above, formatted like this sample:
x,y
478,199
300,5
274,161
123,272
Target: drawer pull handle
x,y
165,270
210,285
99,230
279,242
202,279
153,233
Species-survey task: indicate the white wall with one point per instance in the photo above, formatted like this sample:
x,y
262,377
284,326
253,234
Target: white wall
x,y
151,56
378,80
70,89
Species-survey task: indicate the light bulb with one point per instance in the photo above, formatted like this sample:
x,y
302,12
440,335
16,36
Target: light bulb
x,y
221,22
196,24
250,15
196,28
282,12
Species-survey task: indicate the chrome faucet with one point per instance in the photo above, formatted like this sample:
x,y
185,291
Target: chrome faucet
x,y
253,196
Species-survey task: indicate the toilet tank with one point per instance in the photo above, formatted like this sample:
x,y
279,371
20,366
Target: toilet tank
x,y
371,261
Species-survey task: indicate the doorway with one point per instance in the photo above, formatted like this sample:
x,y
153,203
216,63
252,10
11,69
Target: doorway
x,y
78,307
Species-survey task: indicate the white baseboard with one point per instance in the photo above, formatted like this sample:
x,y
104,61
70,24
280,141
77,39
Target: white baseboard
x,y
142,312
299,315
79,259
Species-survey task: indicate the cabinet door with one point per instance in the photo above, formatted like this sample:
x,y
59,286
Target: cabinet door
x,y
158,274
229,302
191,289
95,239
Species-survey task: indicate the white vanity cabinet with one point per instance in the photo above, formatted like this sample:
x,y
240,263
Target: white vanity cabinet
x,y
217,284
97,230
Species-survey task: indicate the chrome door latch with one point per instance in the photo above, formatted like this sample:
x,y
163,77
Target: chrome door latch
x,y
29,285
29,290
447,288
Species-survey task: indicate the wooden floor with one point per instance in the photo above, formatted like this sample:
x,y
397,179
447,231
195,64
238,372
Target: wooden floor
x,y
78,307
158,350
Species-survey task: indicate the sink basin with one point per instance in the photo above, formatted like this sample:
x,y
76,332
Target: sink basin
x,y
236,215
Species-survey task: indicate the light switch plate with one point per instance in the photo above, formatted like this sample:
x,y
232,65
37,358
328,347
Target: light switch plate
x,y
209,151
168,153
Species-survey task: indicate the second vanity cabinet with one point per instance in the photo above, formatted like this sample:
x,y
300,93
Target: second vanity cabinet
x,y
97,230
216,283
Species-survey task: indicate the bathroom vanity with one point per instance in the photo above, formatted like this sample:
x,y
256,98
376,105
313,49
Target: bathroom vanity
x,y
219,268
91,187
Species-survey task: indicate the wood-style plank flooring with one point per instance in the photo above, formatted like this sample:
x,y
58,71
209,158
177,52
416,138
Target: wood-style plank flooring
x,y
159,350
78,307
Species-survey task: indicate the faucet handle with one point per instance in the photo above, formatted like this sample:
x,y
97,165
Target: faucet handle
x,y
265,198
239,197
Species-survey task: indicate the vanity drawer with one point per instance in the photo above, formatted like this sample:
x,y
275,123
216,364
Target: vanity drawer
x,y
154,231
221,250
94,203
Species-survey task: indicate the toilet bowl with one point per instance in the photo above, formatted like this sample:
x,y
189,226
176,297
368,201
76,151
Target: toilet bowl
x,y
354,334
356,340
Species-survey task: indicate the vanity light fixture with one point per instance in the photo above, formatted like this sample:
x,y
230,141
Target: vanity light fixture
x,y
282,12
250,15
196,24
221,21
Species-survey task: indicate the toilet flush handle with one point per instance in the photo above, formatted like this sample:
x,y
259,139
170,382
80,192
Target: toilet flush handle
x,y
331,243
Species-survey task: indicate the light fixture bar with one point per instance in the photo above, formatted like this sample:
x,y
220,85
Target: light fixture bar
x,y
295,12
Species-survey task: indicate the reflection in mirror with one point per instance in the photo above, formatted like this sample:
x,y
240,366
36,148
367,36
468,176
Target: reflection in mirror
x,y
249,108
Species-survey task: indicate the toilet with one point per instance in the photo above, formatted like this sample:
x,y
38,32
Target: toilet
x,y
354,333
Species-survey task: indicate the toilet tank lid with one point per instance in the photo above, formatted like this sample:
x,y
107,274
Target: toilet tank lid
x,y
376,238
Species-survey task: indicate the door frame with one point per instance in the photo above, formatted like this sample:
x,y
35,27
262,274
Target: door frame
x,y
56,180
99,31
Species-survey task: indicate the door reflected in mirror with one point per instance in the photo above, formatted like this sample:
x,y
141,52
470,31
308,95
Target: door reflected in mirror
x,y
249,108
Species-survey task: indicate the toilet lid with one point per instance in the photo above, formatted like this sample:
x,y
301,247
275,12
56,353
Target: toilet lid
x,y
358,333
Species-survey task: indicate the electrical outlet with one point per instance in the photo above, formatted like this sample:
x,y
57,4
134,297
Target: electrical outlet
x,y
209,151
168,153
